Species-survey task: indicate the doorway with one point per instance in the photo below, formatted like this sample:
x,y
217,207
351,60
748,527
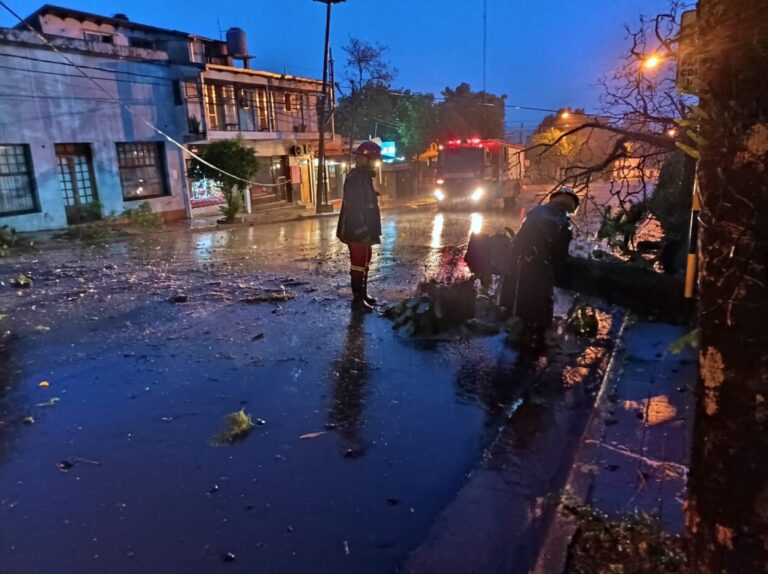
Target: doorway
x,y
306,183
78,187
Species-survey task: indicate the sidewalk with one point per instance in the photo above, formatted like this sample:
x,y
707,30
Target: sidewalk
x,y
285,212
634,454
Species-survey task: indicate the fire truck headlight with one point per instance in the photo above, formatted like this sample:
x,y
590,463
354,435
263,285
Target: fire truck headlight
x,y
478,194
439,195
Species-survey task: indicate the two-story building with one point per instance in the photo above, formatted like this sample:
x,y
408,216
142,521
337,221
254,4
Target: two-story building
x,y
95,113
276,114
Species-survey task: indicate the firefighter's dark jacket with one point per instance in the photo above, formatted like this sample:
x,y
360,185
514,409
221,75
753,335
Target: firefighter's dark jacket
x,y
544,238
537,256
360,218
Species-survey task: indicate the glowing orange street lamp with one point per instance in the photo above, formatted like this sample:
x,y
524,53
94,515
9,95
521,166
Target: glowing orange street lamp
x,y
651,62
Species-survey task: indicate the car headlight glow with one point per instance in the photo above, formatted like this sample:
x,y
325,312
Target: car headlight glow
x,y
439,195
477,195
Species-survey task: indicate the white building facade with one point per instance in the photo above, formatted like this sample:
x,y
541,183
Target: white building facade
x,y
74,149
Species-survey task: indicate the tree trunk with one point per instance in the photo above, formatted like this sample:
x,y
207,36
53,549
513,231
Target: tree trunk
x,y
727,510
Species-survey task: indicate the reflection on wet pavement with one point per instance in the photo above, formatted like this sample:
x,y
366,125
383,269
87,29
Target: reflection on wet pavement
x,y
349,379
144,383
437,231
655,410
476,224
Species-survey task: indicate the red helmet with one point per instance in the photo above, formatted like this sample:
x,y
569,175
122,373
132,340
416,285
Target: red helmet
x,y
369,149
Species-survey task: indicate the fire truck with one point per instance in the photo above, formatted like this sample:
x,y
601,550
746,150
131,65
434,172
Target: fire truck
x,y
478,174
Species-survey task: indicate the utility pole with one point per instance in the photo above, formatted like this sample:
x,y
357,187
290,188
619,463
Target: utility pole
x,y
332,92
322,116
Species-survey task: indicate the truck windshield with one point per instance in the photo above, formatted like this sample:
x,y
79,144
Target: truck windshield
x,y
461,158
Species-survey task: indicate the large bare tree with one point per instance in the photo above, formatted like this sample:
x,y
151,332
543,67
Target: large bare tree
x,y
638,125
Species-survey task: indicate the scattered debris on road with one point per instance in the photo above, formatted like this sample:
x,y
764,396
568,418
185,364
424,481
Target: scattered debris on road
x,y
279,297
179,298
238,425
68,464
312,435
582,319
49,403
437,308
21,281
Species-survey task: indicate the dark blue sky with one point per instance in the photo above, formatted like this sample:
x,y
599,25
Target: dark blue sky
x,y
541,53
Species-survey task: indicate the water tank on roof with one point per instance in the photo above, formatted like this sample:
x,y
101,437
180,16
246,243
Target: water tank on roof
x,y
237,43
122,17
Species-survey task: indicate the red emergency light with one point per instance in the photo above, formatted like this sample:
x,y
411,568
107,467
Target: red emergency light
x,y
474,142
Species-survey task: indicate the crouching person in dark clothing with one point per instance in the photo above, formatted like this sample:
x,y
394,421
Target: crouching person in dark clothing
x,y
360,221
537,255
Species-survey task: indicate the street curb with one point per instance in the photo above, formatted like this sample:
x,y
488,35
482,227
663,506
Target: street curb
x,y
557,540
266,221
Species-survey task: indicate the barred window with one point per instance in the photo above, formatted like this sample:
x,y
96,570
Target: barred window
x,y
17,187
142,169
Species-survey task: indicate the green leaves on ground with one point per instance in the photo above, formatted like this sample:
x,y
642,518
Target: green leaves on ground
x,y
690,340
237,427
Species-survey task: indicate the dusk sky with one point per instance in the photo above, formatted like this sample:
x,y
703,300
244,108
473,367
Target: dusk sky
x,y
543,53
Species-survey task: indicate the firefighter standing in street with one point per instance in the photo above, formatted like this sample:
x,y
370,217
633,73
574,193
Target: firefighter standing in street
x,y
360,221
537,255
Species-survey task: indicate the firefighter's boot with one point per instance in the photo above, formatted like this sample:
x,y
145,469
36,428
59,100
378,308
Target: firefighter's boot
x,y
372,301
358,292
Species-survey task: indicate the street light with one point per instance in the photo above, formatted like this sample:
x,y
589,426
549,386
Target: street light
x,y
651,62
565,115
322,111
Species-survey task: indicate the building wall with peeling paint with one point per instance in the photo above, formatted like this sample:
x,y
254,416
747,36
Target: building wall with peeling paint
x,y
44,100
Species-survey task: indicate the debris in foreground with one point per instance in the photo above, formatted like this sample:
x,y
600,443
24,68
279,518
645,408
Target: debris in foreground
x,y
49,403
279,297
436,308
312,435
238,425
21,281
582,319
635,545
179,298
68,464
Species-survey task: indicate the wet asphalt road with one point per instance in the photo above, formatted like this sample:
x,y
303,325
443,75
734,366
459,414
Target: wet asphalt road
x,y
120,474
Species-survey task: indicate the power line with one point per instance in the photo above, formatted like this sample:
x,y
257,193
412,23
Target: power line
x,y
485,43
84,99
291,116
489,104
121,104
168,84
63,75
124,72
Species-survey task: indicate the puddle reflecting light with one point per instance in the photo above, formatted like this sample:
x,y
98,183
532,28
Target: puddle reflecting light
x,y
437,231
475,223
